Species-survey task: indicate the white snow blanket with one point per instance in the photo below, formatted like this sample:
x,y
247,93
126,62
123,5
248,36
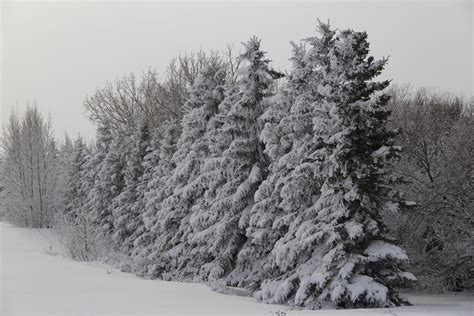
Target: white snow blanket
x,y
36,280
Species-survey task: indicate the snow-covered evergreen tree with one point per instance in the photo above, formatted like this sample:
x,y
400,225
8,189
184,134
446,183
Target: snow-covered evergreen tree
x,y
74,195
65,158
203,216
160,166
108,165
76,230
242,162
94,161
129,204
339,252
185,180
293,181
143,236
89,175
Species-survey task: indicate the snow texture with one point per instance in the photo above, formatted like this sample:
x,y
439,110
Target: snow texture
x,y
36,280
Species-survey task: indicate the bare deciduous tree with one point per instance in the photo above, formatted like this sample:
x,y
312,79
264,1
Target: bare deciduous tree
x,y
29,169
123,102
437,135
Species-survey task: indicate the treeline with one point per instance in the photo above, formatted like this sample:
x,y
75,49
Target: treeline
x,y
292,186
437,137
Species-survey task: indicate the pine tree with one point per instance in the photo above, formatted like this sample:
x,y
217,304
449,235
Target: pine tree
x,y
108,162
74,225
203,217
94,162
143,236
346,257
128,205
293,179
146,252
74,196
188,186
65,158
242,163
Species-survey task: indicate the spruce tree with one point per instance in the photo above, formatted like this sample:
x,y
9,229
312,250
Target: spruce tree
x,y
346,257
65,158
93,165
293,179
74,195
242,164
158,168
203,217
185,181
142,236
74,222
109,162
129,204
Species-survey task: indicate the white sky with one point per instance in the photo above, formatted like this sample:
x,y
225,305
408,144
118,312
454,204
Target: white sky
x,y
56,53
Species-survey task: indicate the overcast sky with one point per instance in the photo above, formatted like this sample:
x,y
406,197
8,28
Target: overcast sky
x,y
57,53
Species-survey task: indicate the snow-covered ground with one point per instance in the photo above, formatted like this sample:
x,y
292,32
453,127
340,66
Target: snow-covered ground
x,y
36,281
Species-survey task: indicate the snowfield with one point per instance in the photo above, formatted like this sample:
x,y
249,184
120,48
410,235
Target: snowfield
x,y
37,280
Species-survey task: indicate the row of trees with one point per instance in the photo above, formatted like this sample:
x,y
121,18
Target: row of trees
x,y
277,190
289,186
